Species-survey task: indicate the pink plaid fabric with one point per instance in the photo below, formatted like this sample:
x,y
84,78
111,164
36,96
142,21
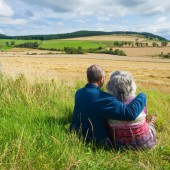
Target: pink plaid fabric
x,y
136,134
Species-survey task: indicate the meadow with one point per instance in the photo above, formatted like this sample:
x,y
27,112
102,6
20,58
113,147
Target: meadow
x,y
4,47
37,100
34,133
60,44
106,42
37,89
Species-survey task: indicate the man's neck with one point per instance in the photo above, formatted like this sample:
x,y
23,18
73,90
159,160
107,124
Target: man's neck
x,y
96,84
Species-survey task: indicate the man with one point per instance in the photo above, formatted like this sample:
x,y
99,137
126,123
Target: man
x,y
93,108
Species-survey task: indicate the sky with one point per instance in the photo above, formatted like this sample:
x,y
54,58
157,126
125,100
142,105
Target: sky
x,y
32,17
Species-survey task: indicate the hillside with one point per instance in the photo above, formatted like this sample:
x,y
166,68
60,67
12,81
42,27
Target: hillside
x,y
84,34
2,36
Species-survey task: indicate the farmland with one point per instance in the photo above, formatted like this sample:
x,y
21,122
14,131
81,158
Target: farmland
x,y
94,42
152,72
60,44
37,89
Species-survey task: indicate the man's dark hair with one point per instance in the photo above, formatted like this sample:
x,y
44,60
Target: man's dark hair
x,y
94,72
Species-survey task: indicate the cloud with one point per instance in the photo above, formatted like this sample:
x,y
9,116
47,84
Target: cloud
x,y
112,8
5,10
1,31
56,16
132,3
28,14
161,26
11,21
59,6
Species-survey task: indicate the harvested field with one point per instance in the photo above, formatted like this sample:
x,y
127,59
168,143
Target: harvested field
x,y
110,38
145,51
152,73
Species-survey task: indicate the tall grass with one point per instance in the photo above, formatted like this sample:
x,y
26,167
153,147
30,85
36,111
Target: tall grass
x,y
34,130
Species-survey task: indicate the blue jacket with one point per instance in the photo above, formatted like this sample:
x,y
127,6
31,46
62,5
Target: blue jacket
x,y
93,107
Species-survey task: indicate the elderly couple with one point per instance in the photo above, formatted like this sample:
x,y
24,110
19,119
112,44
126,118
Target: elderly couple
x,y
116,118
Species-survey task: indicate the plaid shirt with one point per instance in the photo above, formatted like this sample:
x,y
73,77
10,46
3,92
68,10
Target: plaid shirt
x,y
136,134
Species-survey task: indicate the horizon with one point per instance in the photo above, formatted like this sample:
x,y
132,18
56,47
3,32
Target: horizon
x,y
43,17
80,31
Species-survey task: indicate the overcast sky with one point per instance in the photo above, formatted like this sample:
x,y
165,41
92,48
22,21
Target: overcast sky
x,y
28,17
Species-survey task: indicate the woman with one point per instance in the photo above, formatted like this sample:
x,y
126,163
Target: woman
x,y
138,133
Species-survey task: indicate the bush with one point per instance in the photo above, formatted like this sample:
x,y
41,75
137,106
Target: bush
x,y
114,52
165,55
110,51
28,45
71,50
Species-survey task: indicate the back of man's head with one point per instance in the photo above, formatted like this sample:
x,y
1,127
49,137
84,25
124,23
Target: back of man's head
x,y
94,73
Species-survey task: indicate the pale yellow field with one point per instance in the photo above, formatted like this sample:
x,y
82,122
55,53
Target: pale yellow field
x,y
152,73
109,38
145,51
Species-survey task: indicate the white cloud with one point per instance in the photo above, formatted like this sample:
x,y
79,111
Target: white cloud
x,y
11,21
105,7
5,10
1,31
161,26
61,16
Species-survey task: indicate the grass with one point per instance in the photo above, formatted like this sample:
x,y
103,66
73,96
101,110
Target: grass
x,y
93,42
57,44
3,46
60,44
34,133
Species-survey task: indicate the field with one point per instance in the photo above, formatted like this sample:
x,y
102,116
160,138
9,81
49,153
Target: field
x,y
37,89
145,51
150,72
86,44
3,46
111,38
60,44
96,42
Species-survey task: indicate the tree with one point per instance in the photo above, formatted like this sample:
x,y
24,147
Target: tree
x,y
154,44
72,50
125,43
129,43
12,42
7,43
137,44
116,43
28,45
164,43
100,48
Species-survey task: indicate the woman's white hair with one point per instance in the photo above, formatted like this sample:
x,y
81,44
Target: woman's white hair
x,y
121,85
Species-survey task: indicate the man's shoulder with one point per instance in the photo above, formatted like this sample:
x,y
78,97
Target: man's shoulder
x,y
103,93
80,89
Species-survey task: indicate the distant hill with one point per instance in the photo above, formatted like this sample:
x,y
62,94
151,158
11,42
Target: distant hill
x,y
2,36
83,34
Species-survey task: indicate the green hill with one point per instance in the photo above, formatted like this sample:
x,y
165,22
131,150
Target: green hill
x,y
83,34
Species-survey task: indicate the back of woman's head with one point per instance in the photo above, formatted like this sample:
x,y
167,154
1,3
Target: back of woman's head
x,y
121,85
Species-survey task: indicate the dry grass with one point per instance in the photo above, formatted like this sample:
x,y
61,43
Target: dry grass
x,y
148,72
145,51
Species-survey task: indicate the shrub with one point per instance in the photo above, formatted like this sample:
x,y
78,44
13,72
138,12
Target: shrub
x,y
166,55
72,50
28,45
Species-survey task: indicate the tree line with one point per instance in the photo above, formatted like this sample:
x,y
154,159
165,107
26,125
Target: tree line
x,y
83,34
